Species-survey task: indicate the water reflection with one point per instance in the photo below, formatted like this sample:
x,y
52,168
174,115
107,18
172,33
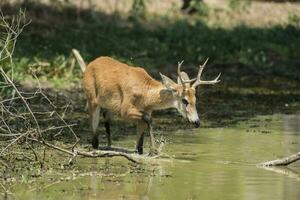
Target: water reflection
x,y
291,124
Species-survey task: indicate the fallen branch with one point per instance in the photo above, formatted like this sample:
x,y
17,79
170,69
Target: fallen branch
x,y
118,149
92,154
281,162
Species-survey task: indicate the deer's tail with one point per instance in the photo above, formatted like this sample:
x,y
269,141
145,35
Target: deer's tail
x,y
79,59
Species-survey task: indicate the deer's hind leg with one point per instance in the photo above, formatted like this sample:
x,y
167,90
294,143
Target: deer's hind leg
x,y
107,120
94,112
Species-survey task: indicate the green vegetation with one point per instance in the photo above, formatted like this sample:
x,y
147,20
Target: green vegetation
x,y
239,5
259,65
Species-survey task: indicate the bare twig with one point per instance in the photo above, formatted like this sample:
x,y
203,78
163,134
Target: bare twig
x,y
58,115
13,142
23,99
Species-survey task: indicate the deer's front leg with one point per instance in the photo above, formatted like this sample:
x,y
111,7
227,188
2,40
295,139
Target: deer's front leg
x,y
144,122
135,115
148,119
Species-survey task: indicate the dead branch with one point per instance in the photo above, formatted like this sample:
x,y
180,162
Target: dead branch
x,y
118,149
281,162
22,98
59,116
13,142
92,154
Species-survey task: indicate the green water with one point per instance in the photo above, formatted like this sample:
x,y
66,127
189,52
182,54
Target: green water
x,y
213,163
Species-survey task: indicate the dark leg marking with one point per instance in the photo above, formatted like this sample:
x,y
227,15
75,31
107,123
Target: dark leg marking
x,y
95,141
108,135
140,144
107,128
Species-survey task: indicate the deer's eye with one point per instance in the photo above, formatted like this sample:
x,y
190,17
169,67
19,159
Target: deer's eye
x,y
185,102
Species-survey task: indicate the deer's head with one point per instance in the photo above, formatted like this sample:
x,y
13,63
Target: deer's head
x,y
184,92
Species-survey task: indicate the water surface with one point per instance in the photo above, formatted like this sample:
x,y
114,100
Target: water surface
x,y
212,163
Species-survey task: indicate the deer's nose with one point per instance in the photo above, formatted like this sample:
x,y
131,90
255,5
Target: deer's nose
x,y
197,124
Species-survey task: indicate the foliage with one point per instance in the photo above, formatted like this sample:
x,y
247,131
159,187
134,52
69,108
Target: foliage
x,y
201,7
138,9
293,19
238,5
256,48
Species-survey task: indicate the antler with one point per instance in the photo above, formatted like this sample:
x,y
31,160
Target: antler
x,y
183,82
200,82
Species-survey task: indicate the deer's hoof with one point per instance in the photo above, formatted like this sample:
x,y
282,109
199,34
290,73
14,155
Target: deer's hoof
x,y
95,143
139,151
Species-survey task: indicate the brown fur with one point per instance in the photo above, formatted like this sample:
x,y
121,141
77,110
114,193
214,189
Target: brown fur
x,y
121,88
118,88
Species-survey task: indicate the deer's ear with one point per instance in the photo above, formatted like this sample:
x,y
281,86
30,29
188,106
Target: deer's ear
x,y
184,76
168,83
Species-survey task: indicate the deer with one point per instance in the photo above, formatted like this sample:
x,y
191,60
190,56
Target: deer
x,y
113,87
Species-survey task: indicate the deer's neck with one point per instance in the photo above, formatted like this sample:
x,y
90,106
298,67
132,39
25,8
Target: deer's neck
x,y
159,98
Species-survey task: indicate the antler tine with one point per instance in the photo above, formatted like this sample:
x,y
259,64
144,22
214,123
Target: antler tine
x,y
178,70
199,81
179,73
201,67
216,80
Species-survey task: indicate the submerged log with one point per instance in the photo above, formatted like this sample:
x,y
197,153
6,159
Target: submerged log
x,y
281,162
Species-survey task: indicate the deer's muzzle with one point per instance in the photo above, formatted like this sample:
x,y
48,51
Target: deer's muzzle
x,y
197,124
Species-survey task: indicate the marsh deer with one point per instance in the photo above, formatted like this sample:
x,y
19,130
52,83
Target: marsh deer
x,y
116,88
